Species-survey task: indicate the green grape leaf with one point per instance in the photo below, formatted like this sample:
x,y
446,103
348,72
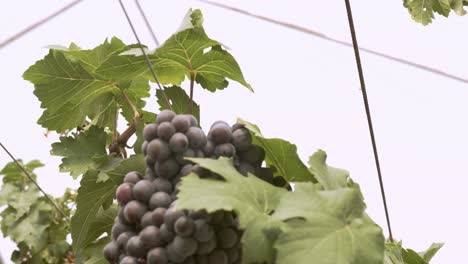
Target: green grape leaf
x,y
188,53
93,58
18,198
396,254
135,91
102,223
431,251
280,154
80,150
93,252
179,100
251,198
327,227
393,253
94,196
330,178
13,174
422,11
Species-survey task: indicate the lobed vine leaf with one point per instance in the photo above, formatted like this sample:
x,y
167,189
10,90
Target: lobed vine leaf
x,y
309,225
423,11
179,101
280,154
330,178
80,151
396,254
93,197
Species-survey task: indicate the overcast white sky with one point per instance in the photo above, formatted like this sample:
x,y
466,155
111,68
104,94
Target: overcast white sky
x,y
307,91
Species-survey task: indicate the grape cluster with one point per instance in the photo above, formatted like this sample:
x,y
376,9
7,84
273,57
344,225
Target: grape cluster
x,y
148,228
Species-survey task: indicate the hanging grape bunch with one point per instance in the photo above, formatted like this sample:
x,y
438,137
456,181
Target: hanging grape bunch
x,y
148,229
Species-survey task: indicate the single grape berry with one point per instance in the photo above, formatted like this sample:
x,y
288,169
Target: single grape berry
x,y
241,139
227,238
178,142
150,131
166,234
196,137
167,169
225,150
158,150
143,190
182,122
111,252
206,247
134,211
171,217
147,219
218,256
150,237
253,155
166,130
128,260
173,255
184,226
157,256
203,231
132,177
158,216
208,149
165,116
220,133
123,239
124,193
119,228
160,199
135,247
162,185
185,246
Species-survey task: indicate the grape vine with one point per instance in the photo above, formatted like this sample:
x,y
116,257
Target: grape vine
x,y
177,195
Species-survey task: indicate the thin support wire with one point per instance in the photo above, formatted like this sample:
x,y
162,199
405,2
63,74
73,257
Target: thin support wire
x,y
148,25
368,113
150,66
37,24
338,41
35,183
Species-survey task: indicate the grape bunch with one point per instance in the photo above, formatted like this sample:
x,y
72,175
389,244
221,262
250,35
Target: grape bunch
x,y
148,228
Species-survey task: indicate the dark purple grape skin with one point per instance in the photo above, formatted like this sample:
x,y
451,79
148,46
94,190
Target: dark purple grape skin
x,y
147,219
201,259
111,252
135,247
160,199
167,169
123,239
162,185
124,193
208,149
150,237
119,228
179,142
166,234
217,257
143,147
171,217
158,150
225,150
203,231
196,137
237,126
166,130
150,161
193,121
157,256
206,247
121,217
185,246
220,133
150,131
233,254
165,116
143,190
186,169
134,211
224,123
217,217
241,139
184,226
158,216
180,157
227,238
189,260
173,255
254,155
132,177
128,260
182,123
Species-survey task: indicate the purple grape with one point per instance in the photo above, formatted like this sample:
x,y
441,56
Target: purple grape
x,y
201,259
150,131
147,219
123,239
134,211
203,231
173,255
225,150
143,190
206,247
167,169
165,116
132,177
253,155
185,246
162,185
208,149
178,142
124,193
150,237
143,147
158,150
218,256
244,168
157,256
166,234
119,228
241,139
227,238
196,137
182,123
233,253
220,133
158,216
166,130
128,260
135,247
184,226
237,126
111,252
160,199
171,217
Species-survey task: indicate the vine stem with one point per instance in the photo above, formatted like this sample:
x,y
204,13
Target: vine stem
x,y
192,82
368,113
35,183
116,117
131,129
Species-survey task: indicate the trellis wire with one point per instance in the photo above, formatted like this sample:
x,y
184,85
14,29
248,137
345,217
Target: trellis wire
x,y
35,182
368,113
153,73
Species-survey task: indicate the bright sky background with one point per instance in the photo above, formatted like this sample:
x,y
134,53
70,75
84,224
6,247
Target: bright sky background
x,y
307,91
